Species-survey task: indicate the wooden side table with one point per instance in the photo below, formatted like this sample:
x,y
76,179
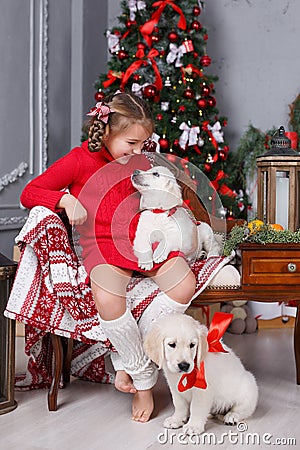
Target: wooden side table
x,y
270,273
7,338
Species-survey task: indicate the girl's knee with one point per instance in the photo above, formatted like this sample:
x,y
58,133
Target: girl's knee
x,y
188,287
183,291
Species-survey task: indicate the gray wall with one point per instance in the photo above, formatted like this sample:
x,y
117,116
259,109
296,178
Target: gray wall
x,y
51,52
254,45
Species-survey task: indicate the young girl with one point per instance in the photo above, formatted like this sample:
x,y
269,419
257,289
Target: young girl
x,y
102,203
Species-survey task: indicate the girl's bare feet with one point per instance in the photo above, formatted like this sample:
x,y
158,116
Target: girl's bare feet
x,y
123,382
142,405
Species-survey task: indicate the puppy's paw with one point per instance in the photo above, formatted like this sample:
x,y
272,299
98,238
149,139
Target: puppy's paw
x,y
174,422
193,428
160,254
231,418
145,265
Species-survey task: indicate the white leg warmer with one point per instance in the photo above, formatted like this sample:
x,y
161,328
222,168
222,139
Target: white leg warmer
x,y
116,361
161,305
125,336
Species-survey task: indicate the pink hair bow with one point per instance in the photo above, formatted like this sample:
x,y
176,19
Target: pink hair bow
x,y
101,110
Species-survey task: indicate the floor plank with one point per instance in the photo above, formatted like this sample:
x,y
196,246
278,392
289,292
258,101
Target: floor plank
x,y
96,417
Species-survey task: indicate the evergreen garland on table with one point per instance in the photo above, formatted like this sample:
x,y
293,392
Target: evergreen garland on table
x,y
262,234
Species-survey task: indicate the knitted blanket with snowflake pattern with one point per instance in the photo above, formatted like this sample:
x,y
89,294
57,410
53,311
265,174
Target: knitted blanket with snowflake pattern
x,y
51,294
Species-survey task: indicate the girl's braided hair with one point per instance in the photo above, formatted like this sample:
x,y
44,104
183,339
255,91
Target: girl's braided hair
x,y
127,109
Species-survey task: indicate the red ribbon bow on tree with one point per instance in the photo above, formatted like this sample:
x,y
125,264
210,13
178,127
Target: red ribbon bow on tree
x,y
111,78
142,62
148,27
224,189
213,140
218,326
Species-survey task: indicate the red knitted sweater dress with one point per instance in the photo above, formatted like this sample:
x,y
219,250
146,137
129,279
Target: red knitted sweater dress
x,y
104,188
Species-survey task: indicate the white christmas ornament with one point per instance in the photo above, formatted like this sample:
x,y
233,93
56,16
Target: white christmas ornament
x,y
155,138
112,42
216,131
137,89
200,142
175,54
164,106
133,6
189,135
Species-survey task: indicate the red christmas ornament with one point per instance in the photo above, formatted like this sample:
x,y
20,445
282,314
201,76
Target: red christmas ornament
x,y
205,37
205,60
196,11
141,46
207,167
130,23
188,94
211,101
159,116
196,25
226,148
205,90
201,103
150,91
195,55
99,96
181,108
136,77
164,144
222,155
173,36
176,146
122,54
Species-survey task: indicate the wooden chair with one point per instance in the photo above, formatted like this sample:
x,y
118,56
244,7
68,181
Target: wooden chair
x,y
258,292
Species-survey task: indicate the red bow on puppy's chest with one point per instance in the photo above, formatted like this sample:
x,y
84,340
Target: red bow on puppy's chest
x,y
218,326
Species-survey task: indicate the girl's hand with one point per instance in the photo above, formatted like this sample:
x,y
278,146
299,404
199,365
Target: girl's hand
x,y
76,213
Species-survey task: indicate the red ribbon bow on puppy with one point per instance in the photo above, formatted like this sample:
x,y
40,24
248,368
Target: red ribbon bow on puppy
x,y
218,326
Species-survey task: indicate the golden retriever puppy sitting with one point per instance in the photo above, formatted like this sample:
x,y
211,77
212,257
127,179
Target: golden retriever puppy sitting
x,y
164,220
202,382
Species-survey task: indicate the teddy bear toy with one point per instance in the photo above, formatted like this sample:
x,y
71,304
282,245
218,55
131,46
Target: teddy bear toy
x,y
243,320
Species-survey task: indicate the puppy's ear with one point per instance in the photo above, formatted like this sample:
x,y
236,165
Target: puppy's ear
x,y
175,189
154,345
202,343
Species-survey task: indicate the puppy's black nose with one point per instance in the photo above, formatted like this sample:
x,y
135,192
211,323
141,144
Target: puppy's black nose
x,y
136,172
184,366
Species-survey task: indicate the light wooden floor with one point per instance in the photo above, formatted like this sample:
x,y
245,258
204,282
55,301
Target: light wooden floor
x,y
97,417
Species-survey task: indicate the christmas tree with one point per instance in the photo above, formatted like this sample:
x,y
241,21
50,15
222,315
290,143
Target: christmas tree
x,y
158,51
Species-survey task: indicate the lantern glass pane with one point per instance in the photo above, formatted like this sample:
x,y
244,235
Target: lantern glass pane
x,y
282,199
265,196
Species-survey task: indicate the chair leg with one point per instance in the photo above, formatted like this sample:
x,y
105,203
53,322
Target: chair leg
x,y
67,360
297,343
58,365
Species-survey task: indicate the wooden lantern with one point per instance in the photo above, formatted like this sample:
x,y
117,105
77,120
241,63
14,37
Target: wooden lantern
x,y
278,183
7,338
